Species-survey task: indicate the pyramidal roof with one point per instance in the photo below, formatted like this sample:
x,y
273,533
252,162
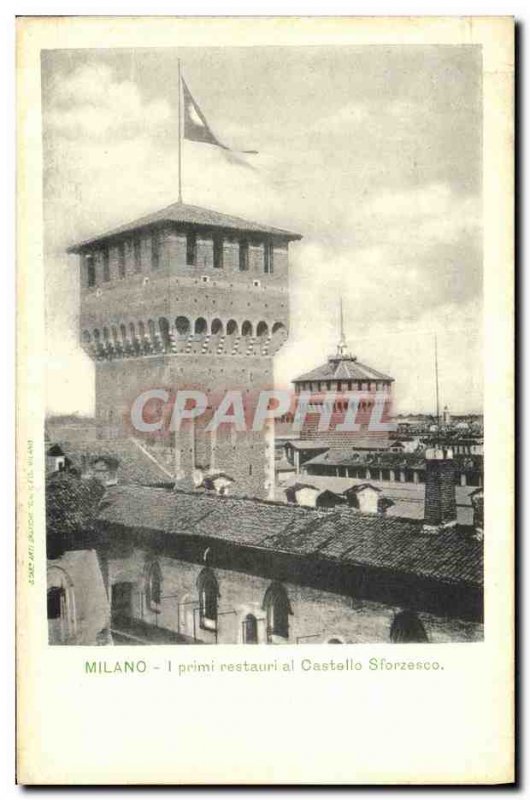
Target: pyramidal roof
x,y
343,367
188,215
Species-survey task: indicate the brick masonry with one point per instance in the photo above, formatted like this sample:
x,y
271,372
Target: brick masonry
x,y
317,615
440,498
165,324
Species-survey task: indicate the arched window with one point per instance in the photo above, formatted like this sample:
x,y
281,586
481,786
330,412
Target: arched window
x,y
250,629
217,327
182,325
208,589
121,601
56,599
262,330
60,602
407,627
278,327
277,608
246,328
153,587
163,326
231,327
201,325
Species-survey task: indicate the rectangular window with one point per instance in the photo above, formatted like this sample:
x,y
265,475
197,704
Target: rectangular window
x,y
243,256
268,254
137,247
106,265
90,271
191,249
218,252
121,260
155,250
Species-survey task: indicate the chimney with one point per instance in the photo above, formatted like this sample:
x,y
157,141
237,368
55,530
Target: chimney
x,y
477,501
440,494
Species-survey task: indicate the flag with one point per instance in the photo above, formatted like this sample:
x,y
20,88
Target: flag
x,y
196,128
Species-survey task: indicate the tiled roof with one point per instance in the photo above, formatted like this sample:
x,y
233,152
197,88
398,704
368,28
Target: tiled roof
x,y
345,535
135,466
343,368
347,457
307,444
408,498
344,442
190,215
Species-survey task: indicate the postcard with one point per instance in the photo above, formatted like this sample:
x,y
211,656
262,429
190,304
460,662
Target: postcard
x,y
265,397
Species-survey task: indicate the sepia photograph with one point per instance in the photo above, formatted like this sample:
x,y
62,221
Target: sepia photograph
x,y
265,396
264,380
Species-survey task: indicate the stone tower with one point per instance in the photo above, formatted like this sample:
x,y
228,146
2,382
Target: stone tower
x,y
187,298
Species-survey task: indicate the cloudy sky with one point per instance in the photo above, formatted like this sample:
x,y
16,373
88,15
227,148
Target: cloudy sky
x,y
373,154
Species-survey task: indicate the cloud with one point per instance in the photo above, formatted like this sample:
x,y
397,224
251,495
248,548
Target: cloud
x,y
402,249
437,212
91,103
344,119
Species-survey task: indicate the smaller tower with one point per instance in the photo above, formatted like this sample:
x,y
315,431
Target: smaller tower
x,y
335,382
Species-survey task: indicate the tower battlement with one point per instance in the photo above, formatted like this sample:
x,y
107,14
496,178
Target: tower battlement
x,y
185,280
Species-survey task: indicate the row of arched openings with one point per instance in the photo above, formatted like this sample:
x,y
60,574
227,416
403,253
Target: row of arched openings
x,y
183,327
275,605
406,625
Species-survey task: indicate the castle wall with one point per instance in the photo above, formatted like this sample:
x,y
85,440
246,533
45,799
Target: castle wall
x,y
246,456
317,615
85,607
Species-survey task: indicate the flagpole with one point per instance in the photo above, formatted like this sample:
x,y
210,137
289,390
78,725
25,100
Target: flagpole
x,y
437,386
180,133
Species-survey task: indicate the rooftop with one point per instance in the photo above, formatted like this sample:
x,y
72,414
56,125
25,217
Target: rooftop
x,y
408,498
340,536
136,465
343,367
307,444
346,457
187,215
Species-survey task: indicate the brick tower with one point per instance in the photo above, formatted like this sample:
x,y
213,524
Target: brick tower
x,y
187,298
